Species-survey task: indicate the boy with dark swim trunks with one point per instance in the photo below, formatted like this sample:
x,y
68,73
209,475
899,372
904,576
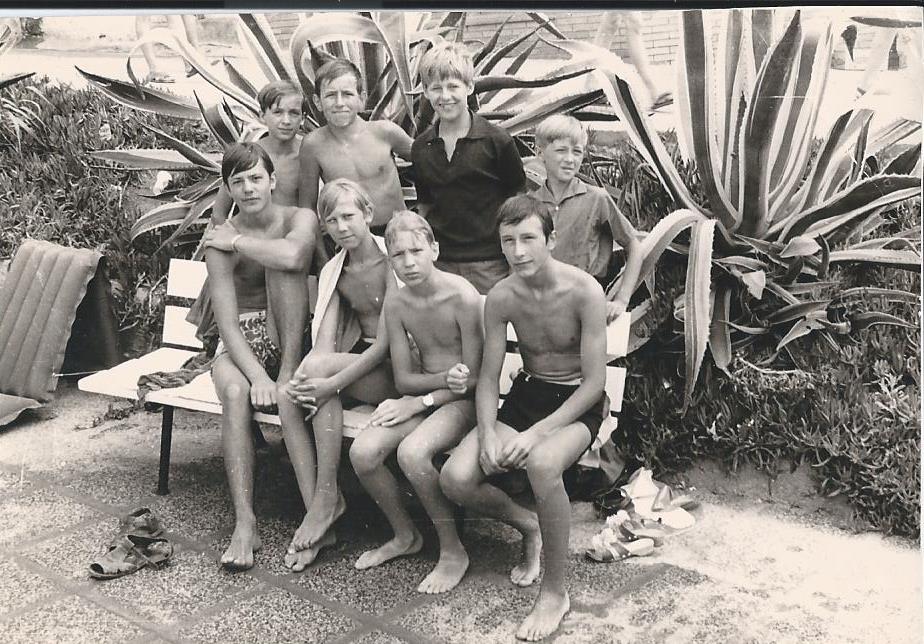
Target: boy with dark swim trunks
x,y
259,295
348,356
553,411
441,314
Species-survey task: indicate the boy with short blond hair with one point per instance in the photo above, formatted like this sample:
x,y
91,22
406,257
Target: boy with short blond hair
x,y
441,313
348,357
585,217
349,147
465,167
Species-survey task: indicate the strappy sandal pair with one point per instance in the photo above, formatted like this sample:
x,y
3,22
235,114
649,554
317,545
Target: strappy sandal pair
x,y
137,544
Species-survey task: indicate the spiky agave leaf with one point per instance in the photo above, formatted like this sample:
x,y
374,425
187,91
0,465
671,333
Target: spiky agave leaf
x,y
147,159
696,93
760,124
697,316
145,99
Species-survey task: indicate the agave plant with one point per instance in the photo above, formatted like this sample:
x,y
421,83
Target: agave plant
x,y
19,114
386,50
782,206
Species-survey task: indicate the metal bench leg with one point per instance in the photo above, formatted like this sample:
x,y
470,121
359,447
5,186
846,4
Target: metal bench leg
x,y
166,436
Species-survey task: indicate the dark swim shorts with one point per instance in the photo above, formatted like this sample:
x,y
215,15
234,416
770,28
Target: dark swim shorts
x,y
531,399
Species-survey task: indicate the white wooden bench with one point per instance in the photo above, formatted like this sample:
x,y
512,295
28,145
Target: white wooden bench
x,y
179,343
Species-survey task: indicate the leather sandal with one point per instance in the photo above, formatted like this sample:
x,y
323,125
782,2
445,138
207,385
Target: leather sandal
x,y
130,553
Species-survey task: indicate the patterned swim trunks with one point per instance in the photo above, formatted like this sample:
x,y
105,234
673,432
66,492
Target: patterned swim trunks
x,y
253,326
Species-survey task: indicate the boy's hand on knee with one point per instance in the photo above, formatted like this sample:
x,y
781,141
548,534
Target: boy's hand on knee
x,y
263,393
487,455
284,390
316,388
515,451
394,411
457,379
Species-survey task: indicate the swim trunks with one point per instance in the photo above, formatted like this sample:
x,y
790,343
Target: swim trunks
x,y
253,326
531,399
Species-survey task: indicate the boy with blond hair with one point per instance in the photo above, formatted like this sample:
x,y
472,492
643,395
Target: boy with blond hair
x,y
465,168
585,218
441,313
348,357
349,147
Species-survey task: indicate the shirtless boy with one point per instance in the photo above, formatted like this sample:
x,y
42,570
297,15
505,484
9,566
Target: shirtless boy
x,y
348,356
259,295
554,408
282,109
442,314
351,147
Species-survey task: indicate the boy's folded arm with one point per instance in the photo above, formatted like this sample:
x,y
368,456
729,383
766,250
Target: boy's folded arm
x,y
290,253
407,380
220,269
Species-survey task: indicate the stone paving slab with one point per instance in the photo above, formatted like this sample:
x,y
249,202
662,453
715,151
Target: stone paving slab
x,y
743,574
276,616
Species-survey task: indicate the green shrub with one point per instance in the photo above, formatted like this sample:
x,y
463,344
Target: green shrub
x,y
851,413
51,189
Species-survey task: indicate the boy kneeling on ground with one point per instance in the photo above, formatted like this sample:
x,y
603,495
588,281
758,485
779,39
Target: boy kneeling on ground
x,y
553,411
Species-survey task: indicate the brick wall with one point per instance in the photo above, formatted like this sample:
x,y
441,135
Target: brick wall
x,y
284,25
660,31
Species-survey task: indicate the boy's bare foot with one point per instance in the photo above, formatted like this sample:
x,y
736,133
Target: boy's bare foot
x,y
389,550
318,520
244,542
527,571
298,560
545,618
448,573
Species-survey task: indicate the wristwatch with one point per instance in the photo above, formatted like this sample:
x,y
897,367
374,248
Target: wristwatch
x,y
427,400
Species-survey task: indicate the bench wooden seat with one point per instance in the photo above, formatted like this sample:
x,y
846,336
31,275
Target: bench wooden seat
x,y
184,282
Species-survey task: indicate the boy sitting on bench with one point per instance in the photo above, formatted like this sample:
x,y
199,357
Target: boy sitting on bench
x,y
348,356
441,313
553,411
259,295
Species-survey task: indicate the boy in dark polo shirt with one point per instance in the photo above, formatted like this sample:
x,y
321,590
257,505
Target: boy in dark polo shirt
x,y
465,168
586,219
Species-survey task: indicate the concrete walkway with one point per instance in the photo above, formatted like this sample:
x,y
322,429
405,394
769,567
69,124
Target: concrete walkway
x,y
752,570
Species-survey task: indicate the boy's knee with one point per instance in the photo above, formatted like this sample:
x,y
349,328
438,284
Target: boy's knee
x,y
364,456
414,457
314,366
455,484
540,466
232,392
